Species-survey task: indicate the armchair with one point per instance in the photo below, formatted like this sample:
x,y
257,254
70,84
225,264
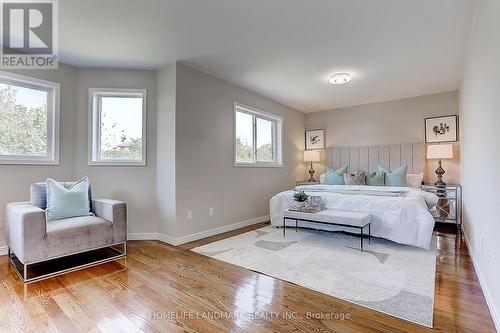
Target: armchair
x,y
32,239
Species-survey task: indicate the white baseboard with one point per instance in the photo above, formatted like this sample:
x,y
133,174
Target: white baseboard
x,y
142,236
198,235
183,239
211,232
487,295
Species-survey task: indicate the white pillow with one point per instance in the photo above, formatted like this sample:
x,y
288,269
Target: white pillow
x,y
322,178
414,179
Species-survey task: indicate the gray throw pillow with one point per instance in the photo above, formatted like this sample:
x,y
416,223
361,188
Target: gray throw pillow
x,y
357,178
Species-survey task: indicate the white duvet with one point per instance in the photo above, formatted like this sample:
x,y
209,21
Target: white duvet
x,y
399,214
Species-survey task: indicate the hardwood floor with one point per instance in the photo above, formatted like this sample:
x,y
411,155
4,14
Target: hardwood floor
x,y
161,288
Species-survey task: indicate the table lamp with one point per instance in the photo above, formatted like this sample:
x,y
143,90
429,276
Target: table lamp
x,y
311,156
439,152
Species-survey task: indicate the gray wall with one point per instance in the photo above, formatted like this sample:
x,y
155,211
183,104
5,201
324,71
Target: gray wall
x,y
480,112
135,185
392,122
165,170
190,147
205,175
191,118
15,180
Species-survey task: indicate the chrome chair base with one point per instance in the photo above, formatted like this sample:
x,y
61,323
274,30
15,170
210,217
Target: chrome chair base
x,y
37,271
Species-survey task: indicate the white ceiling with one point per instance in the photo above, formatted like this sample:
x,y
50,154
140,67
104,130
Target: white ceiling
x,y
282,49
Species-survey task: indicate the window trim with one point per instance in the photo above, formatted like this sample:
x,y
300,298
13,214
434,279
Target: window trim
x,y
53,118
277,139
94,131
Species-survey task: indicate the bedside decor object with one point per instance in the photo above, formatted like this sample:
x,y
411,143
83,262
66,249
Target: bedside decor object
x,y
313,203
439,152
441,129
311,156
316,201
315,139
300,197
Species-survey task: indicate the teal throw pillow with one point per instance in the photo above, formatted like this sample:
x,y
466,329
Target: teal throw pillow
x,y
67,202
376,178
396,177
335,177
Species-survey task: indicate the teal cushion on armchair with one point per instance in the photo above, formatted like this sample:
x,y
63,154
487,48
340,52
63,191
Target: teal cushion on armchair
x,y
67,202
335,177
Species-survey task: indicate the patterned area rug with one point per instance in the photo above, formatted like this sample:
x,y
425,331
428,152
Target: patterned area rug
x,y
391,278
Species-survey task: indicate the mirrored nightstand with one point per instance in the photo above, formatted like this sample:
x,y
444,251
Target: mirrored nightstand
x,y
449,206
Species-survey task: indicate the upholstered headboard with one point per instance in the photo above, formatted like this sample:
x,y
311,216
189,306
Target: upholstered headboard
x,y
368,158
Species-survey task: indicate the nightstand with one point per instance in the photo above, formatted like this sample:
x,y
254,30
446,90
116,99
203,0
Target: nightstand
x,y
305,182
449,206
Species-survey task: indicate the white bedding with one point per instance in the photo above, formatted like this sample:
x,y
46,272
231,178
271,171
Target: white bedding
x,y
399,214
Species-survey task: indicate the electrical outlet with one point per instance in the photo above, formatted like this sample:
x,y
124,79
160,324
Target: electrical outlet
x,y
189,214
211,211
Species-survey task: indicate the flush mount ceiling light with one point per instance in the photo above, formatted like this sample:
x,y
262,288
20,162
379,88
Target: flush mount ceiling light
x,y
340,78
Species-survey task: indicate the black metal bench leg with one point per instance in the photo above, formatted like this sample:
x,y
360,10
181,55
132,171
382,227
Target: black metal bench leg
x,y
296,225
369,233
361,239
284,219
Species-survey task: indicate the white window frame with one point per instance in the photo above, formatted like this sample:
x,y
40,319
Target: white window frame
x,y
94,136
277,137
52,148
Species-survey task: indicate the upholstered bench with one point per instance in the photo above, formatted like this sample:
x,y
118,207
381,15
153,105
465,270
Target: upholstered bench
x,y
329,216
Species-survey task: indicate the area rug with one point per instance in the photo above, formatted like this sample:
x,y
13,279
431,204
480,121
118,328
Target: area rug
x,y
391,278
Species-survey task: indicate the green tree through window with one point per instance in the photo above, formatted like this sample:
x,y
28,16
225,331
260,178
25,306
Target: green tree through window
x,y
23,129
257,137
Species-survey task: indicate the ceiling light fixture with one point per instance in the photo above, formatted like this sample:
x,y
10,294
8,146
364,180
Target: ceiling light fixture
x,y
340,78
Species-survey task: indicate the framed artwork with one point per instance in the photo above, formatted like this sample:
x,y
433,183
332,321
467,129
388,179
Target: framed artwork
x,y
441,129
315,139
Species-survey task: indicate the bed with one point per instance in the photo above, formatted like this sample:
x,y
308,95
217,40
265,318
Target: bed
x,y
399,214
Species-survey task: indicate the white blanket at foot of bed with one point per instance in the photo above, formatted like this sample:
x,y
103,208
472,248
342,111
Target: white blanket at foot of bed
x,y
399,214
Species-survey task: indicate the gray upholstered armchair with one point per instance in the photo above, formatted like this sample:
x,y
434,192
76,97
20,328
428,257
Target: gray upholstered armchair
x,y
32,239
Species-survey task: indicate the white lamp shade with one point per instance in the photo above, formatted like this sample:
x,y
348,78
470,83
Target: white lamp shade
x,y
311,156
439,151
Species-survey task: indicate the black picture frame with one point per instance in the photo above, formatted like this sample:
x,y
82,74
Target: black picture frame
x,y
314,146
453,136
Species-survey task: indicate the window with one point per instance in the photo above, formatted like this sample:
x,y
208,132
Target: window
x,y
29,120
257,139
118,132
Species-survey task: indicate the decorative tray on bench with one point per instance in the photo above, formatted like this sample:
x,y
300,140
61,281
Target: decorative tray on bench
x,y
306,209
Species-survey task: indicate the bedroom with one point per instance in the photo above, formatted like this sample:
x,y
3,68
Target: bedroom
x,y
196,76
